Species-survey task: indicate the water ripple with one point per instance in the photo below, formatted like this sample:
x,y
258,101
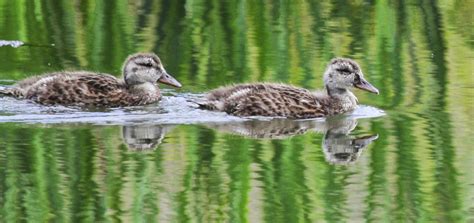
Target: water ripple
x,y
171,110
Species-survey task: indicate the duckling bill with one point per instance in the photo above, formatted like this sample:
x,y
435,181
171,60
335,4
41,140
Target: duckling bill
x,y
266,99
141,72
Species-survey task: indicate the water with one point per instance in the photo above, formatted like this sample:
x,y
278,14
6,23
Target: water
x,y
404,156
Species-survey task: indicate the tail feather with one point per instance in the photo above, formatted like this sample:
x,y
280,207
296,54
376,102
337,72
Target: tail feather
x,y
10,91
4,90
206,105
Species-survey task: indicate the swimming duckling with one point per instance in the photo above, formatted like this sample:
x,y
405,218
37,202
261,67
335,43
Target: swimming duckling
x,y
141,71
264,99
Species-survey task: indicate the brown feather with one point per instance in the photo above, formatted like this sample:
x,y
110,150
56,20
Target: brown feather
x,y
81,88
84,88
266,99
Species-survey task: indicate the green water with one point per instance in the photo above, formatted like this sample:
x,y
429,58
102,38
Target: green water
x,y
419,54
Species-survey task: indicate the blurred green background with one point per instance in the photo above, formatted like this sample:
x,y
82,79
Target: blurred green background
x,y
418,53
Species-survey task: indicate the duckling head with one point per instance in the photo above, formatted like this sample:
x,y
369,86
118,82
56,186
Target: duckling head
x,y
143,68
343,73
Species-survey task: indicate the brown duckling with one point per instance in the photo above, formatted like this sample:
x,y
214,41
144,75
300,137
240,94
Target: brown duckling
x,y
141,71
264,99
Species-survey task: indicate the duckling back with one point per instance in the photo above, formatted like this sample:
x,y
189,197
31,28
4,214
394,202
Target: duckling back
x,y
79,88
266,100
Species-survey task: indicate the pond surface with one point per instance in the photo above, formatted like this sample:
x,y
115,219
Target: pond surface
x,y
405,155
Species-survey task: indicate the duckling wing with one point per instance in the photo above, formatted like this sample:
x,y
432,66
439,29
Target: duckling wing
x,y
266,100
78,88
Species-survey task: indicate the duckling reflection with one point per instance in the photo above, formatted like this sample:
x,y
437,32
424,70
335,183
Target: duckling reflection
x,y
339,146
144,137
274,129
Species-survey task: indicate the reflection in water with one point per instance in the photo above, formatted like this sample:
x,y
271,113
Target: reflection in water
x,y
144,137
418,54
339,146
12,43
269,129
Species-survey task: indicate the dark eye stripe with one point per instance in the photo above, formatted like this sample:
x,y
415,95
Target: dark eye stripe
x,y
146,64
343,70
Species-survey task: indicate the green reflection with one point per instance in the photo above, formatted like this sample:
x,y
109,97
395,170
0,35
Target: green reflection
x,y
417,54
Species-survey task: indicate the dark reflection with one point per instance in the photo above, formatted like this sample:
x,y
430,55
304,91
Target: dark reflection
x,y
339,145
271,129
144,137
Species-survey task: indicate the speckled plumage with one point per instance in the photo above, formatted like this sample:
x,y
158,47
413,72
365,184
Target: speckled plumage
x,y
266,99
83,88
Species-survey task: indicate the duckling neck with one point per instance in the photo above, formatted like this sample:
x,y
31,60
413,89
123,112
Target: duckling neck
x,y
342,98
146,88
336,91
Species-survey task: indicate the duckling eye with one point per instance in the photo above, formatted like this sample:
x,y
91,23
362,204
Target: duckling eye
x,y
357,78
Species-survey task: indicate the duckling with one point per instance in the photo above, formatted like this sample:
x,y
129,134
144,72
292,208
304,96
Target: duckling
x,y
141,71
268,99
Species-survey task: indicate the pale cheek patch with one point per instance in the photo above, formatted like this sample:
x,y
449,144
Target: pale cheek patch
x,y
344,81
